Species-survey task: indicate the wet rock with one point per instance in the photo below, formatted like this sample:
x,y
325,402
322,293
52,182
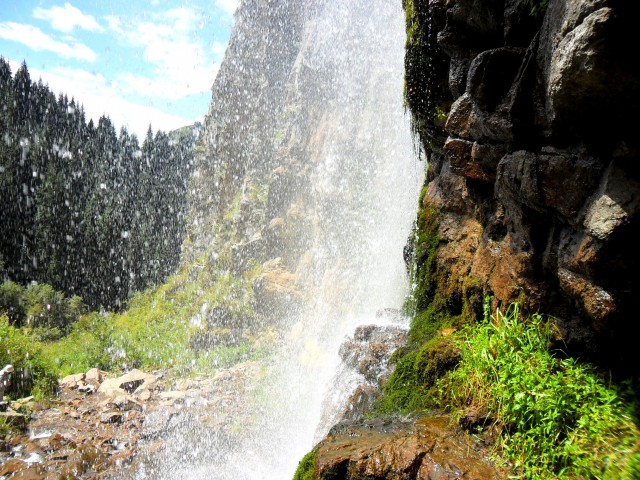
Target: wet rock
x,y
425,449
369,350
491,75
133,381
94,376
360,402
614,205
112,417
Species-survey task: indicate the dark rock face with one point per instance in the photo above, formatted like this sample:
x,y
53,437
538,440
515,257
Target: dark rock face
x,y
539,171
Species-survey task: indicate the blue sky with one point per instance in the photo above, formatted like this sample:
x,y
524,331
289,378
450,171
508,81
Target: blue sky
x,y
138,61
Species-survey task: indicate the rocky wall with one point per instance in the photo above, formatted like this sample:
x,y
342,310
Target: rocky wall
x,y
533,162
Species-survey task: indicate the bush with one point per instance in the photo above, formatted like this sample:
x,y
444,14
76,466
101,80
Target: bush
x,y
33,374
558,418
46,312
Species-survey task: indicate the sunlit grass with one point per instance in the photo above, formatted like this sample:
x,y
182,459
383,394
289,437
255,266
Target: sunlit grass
x,y
558,418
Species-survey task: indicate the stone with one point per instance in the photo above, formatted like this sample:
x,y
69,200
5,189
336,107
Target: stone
x,y
87,388
112,417
5,377
72,381
425,449
125,402
12,466
581,50
135,380
491,75
615,204
360,402
596,301
94,376
540,181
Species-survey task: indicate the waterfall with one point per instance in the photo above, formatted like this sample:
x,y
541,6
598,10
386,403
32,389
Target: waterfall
x,y
310,98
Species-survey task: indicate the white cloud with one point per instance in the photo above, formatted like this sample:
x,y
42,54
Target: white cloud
x,y
66,18
99,96
36,39
229,6
181,66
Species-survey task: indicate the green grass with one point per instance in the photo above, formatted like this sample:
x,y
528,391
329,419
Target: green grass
x,y
558,418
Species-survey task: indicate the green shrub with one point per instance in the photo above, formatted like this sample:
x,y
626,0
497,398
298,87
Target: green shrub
x,y
558,418
306,467
46,312
33,373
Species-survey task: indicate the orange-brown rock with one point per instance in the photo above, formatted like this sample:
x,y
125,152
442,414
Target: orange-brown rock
x,y
425,449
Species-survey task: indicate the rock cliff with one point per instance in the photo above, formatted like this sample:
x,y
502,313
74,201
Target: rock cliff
x,y
303,130
524,112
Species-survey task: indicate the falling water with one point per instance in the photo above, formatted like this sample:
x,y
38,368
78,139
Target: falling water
x,y
334,94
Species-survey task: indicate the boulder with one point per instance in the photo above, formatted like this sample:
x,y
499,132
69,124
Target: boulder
x,y
428,448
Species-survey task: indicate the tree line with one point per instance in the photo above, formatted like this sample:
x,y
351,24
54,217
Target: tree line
x,y
92,212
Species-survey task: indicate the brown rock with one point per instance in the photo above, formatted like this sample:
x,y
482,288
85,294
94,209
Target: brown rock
x,y
426,449
94,376
72,381
12,466
112,417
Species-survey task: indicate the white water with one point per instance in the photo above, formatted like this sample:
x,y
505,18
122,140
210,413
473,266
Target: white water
x,y
365,185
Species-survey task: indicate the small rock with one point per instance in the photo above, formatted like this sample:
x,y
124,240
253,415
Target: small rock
x,y
172,395
12,466
125,402
87,388
112,417
94,375
71,381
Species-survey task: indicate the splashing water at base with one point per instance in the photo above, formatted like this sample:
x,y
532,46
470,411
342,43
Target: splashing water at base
x,y
343,131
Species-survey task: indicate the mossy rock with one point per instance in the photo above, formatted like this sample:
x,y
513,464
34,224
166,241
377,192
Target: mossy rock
x,y
307,467
435,359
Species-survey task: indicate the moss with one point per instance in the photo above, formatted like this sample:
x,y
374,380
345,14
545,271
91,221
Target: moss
x,y
438,301
307,467
426,91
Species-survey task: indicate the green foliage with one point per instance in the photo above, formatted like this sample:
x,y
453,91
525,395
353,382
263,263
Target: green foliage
x,y
306,467
538,7
84,208
158,328
45,312
559,419
33,373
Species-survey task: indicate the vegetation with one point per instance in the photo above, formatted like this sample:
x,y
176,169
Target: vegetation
x,y
426,90
88,211
538,7
199,320
42,311
306,467
557,418
33,372
553,416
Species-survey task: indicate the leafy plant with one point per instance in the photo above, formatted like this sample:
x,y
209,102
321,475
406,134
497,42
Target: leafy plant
x,y
33,373
558,417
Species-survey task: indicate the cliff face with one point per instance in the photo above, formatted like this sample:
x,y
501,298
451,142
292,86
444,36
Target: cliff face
x,y
303,136
533,184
